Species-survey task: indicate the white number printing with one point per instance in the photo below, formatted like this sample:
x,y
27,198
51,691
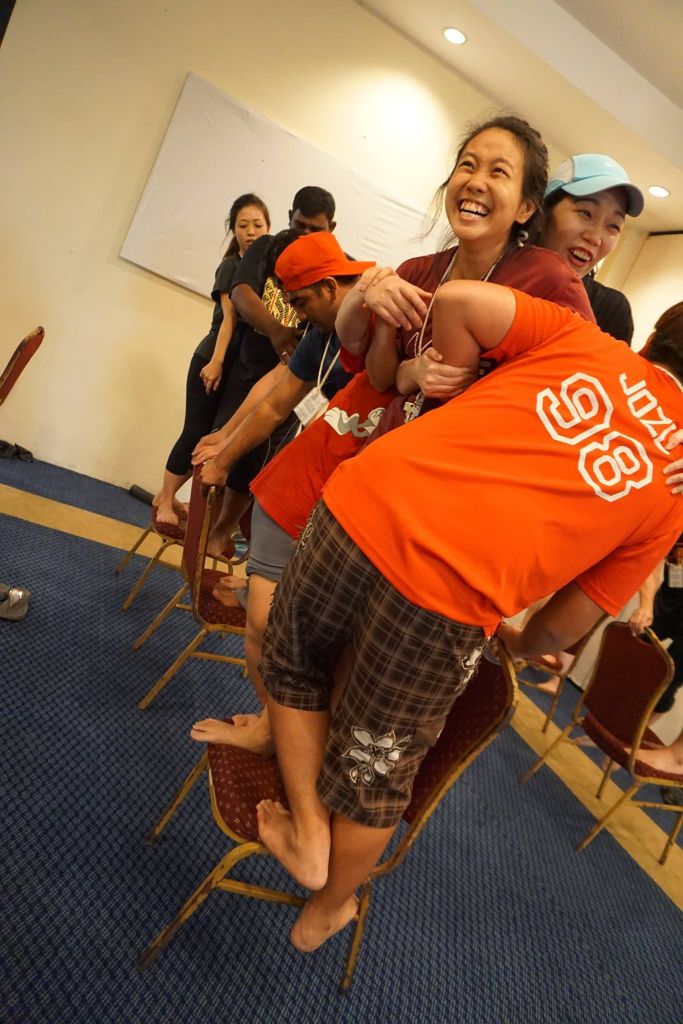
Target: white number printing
x,y
614,463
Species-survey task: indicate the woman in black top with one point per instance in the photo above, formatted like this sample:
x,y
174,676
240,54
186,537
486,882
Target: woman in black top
x,y
210,365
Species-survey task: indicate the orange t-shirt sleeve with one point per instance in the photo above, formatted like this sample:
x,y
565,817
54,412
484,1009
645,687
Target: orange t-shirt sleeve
x,y
613,581
535,321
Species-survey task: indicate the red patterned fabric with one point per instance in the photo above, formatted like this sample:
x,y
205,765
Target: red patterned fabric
x,y
211,610
620,753
240,780
629,672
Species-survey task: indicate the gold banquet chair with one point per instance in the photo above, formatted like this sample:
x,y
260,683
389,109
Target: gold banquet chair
x,y
628,678
210,614
575,650
169,536
239,779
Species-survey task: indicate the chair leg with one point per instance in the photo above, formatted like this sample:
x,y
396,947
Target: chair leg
x,y
609,768
672,839
126,558
553,704
196,899
363,908
544,757
170,672
599,825
160,617
197,771
145,573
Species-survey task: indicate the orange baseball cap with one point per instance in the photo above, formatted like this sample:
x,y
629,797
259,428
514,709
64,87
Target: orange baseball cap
x,y
314,257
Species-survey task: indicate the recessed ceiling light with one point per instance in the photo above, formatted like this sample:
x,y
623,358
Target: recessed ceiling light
x,y
659,191
455,36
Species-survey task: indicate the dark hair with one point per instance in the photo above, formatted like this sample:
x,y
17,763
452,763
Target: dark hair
x,y
666,344
535,177
278,244
311,201
248,199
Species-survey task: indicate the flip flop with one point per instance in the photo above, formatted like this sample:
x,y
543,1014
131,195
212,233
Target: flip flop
x,y
13,602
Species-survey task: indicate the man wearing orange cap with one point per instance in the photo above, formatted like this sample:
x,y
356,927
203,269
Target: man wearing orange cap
x,y
316,275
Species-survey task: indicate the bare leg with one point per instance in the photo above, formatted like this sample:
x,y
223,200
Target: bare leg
x,y
300,839
355,851
666,759
251,732
233,508
164,500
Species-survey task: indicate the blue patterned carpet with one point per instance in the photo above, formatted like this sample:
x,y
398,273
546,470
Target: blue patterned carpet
x,y
492,919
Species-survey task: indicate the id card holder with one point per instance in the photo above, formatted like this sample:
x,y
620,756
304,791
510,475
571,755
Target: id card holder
x,y
311,406
674,575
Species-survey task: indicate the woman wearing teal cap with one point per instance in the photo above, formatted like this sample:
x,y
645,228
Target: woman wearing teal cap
x,y
586,204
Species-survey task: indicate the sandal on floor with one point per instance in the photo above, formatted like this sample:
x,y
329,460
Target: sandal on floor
x,y
13,602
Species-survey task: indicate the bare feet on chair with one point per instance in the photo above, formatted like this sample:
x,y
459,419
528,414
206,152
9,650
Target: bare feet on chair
x,y
664,759
305,857
165,510
220,545
250,732
316,925
224,591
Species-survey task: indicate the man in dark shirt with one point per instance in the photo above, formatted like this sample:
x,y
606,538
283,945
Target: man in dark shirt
x,y
263,339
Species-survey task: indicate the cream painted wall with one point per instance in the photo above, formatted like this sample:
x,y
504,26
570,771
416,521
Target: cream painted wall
x,y
654,282
92,90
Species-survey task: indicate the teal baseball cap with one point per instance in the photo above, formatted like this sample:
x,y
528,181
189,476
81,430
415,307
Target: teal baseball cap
x,y
587,173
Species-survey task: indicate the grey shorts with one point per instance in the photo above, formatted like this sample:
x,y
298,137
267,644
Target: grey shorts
x,y
270,548
408,665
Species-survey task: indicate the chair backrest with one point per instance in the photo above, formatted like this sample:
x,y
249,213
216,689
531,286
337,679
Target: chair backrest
x,y
481,711
197,533
629,676
22,353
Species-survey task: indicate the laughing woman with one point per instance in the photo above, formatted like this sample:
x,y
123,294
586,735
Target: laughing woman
x,y
586,204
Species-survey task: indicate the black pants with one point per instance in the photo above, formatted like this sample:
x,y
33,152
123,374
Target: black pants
x,y
200,410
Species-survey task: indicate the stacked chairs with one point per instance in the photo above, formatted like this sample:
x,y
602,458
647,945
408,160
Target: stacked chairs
x,y
239,779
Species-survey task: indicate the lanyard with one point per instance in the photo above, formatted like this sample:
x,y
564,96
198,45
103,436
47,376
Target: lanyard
x,y
322,380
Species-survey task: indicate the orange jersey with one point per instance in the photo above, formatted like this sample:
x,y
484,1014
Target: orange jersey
x,y
548,470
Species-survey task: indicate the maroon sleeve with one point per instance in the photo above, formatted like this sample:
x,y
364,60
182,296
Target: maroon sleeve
x,y
544,275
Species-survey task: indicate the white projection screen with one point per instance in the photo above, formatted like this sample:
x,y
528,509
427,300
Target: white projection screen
x,y
216,149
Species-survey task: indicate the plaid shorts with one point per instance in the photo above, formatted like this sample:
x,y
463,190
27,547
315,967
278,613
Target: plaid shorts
x,y
407,667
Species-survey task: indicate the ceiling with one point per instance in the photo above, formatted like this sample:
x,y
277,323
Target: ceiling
x,y
593,77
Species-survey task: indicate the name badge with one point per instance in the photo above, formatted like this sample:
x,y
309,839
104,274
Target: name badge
x,y
311,406
674,574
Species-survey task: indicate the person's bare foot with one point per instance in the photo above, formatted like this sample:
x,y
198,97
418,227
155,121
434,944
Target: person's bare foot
x,y
225,589
249,732
551,685
305,857
315,925
219,544
664,759
165,510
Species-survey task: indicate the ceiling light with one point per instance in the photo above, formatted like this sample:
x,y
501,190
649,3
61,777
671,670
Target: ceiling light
x,y
455,36
659,191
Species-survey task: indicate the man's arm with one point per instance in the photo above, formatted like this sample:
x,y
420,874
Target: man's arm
x,y
567,616
257,426
470,316
250,307
257,393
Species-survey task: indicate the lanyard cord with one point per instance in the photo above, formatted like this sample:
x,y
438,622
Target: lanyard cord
x,y
322,381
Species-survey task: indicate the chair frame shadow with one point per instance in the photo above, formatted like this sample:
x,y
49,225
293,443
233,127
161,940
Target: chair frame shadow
x,y
247,846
